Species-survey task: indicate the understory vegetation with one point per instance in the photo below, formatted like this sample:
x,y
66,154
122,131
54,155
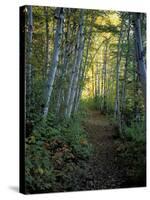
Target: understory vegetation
x,y
54,151
130,144
85,99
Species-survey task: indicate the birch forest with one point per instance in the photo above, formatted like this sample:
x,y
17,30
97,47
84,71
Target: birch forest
x,y
85,99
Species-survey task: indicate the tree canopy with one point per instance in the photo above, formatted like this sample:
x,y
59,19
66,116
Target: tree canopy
x,y
75,60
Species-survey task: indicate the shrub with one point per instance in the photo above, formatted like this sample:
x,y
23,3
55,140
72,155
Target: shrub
x,y
135,132
53,152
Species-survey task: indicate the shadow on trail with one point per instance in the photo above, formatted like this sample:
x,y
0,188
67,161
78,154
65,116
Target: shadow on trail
x,y
107,167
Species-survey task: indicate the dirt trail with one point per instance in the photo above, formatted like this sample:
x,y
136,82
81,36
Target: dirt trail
x,y
104,169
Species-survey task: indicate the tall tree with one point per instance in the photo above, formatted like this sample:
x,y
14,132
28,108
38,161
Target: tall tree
x,y
67,48
83,69
78,60
59,15
117,98
105,71
140,52
76,66
29,59
46,43
127,59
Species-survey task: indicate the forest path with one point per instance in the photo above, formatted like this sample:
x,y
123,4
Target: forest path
x,y
104,170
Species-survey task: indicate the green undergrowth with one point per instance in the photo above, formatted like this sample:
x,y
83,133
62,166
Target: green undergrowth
x,y
91,103
135,153
135,132
131,149
132,156
54,152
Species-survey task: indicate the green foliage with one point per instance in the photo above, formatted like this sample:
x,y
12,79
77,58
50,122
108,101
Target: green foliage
x,y
92,103
56,147
53,152
97,103
76,137
135,132
38,166
132,155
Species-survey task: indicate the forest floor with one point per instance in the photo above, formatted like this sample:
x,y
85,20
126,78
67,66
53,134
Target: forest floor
x,y
112,165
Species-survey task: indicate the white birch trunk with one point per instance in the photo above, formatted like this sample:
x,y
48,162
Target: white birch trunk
x,y
105,72
83,69
77,64
117,99
75,68
66,51
53,69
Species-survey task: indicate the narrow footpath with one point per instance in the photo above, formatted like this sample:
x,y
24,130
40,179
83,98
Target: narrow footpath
x,y
104,170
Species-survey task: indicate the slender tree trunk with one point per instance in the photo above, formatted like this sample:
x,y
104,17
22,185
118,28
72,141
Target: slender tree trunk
x,y
46,43
51,77
70,85
28,60
102,86
105,73
82,75
89,38
125,70
108,92
73,50
66,52
78,95
136,100
59,98
117,113
79,89
123,106
77,63
83,70
75,70
96,80
93,85
140,53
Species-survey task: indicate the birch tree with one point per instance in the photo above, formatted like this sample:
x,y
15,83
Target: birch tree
x,y
140,52
117,114
105,71
78,61
51,76
75,68
67,48
127,59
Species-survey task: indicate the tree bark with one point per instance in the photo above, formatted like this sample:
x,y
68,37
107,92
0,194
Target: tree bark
x,y
140,53
28,60
78,61
105,73
117,113
125,70
51,77
46,43
66,51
